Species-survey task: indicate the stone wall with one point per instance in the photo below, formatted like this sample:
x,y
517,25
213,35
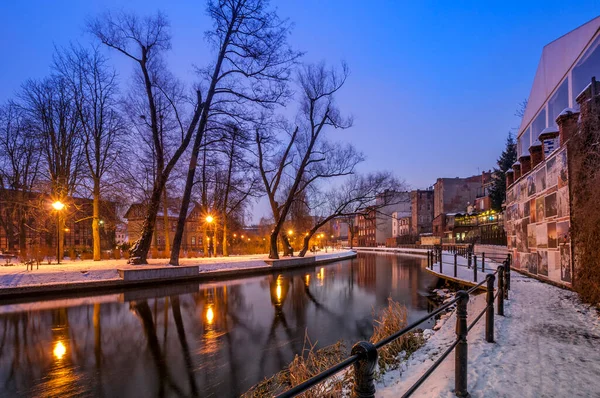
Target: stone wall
x,y
538,220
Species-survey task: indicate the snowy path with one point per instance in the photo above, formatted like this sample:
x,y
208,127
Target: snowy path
x,y
86,271
547,345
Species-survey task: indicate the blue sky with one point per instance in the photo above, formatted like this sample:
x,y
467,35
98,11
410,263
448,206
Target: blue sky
x,y
433,86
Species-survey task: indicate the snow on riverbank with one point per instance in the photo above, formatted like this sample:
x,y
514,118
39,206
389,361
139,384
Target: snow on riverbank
x,y
86,271
548,344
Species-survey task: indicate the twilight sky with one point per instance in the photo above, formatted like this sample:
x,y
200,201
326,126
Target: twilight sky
x,y
433,85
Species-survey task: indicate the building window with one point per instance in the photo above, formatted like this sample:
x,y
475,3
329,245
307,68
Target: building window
x,y
558,102
193,240
587,66
524,143
539,124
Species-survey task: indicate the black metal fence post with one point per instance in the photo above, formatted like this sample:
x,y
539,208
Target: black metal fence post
x,y
507,272
482,262
469,259
364,387
501,290
441,261
455,264
489,312
461,355
474,268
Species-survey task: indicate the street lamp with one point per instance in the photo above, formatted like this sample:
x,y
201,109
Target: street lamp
x,y
290,232
58,206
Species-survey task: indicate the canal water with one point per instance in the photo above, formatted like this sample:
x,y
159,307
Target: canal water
x,y
206,340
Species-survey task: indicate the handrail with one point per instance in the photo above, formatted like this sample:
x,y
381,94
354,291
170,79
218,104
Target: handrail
x,y
364,354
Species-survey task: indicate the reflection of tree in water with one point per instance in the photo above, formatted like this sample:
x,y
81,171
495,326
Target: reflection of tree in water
x,y
142,309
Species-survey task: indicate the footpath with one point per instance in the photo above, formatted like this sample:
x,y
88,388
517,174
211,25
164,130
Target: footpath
x,y
546,345
78,275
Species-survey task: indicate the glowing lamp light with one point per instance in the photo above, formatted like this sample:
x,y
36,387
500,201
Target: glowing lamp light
x,y
58,205
290,232
210,315
59,350
209,219
278,291
234,235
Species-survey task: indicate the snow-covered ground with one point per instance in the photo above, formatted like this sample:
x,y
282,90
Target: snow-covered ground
x,y
87,270
547,345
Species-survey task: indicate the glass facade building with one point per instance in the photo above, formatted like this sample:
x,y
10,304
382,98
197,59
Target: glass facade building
x,y
566,67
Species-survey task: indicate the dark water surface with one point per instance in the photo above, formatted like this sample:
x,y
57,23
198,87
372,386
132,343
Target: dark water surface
x,y
206,340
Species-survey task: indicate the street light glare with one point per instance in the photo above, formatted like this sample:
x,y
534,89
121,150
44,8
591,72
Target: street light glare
x,y
209,219
58,205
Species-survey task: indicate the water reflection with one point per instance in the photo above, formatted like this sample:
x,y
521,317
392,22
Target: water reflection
x,y
210,340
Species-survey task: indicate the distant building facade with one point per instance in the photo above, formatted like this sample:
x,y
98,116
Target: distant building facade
x,y
192,233
421,211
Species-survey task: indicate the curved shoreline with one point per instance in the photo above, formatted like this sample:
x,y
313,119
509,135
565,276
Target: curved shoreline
x,y
69,289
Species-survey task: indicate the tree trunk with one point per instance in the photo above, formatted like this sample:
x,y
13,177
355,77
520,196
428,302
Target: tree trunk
x,y
305,243
205,242
287,248
185,204
225,250
139,251
273,252
166,222
96,221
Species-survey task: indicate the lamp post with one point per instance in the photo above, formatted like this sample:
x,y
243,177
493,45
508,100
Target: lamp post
x,y
58,206
209,220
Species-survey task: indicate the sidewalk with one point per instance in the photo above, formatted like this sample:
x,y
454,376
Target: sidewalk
x,y
547,345
106,270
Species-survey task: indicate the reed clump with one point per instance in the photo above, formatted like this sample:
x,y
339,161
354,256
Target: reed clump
x,y
389,321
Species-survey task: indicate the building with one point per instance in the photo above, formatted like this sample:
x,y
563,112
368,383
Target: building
x,y
482,198
192,233
453,195
400,224
366,223
121,235
386,204
339,229
39,227
538,210
421,211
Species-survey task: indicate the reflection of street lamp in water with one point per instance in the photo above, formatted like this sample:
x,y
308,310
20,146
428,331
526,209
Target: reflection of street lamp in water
x,y
59,350
58,206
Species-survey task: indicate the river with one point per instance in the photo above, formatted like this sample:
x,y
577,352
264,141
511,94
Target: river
x,y
206,340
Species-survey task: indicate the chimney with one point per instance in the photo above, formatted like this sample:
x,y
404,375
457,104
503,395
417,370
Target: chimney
x,y
547,134
517,169
510,177
536,150
525,161
584,98
567,123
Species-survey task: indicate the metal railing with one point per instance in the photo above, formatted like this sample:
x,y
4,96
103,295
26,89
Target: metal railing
x,y
364,354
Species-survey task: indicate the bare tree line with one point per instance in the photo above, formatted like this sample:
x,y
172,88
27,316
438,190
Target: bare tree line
x,y
220,142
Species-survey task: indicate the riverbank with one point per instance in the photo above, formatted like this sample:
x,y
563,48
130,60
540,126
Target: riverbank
x,y
548,344
80,276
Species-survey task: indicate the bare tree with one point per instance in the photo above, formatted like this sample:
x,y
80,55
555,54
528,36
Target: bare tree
x,y
49,106
251,68
239,181
353,196
94,90
19,170
306,156
143,41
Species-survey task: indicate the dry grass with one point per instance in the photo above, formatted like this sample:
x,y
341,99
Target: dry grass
x,y
390,320
303,368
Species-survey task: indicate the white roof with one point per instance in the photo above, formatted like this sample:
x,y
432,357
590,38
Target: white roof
x,y
557,59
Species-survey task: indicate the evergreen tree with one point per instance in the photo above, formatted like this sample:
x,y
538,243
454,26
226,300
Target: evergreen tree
x,y
505,162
